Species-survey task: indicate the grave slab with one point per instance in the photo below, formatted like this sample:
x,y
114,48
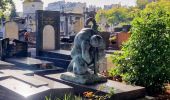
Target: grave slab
x,y
3,63
33,64
30,80
3,76
121,91
13,72
28,61
52,84
19,90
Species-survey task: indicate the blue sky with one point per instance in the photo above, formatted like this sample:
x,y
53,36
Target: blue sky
x,y
89,2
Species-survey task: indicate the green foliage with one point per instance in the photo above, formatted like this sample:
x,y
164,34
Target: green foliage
x,y
114,16
70,97
145,60
66,97
141,3
7,9
117,16
13,10
95,96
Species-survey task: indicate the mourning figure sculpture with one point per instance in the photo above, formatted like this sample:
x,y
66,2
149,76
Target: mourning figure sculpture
x,y
88,49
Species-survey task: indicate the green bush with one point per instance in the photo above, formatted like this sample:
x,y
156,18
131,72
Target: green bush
x,y
145,60
66,97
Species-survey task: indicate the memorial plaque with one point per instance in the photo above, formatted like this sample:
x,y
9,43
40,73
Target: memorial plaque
x,y
48,38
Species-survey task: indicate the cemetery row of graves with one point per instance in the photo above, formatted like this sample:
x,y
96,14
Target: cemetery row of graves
x,y
35,78
141,67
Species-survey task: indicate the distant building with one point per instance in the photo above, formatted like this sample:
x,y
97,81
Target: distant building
x,y
93,8
71,23
67,7
72,16
29,13
107,7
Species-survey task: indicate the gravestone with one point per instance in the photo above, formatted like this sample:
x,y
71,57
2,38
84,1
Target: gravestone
x,y
48,39
14,48
11,30
48,31
3,48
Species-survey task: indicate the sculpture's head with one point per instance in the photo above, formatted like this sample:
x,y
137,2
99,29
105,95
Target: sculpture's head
x,y
96,41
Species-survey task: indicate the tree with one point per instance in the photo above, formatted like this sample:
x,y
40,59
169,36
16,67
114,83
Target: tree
x,y
145,60
13,10
115,16
7,9
142,3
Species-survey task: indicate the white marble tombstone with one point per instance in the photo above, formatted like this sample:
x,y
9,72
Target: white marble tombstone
x,y
48,38
11,30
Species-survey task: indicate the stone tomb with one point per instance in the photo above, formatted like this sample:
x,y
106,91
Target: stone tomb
x,y
48,39
11,30
31,63
121,90
22,87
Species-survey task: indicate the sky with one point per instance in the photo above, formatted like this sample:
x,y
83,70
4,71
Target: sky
x,y
99,3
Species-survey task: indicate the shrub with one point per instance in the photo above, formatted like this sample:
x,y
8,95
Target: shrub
x,y
66,97
145,60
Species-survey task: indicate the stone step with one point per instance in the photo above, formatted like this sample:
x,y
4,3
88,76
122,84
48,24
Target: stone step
x,y
60,54
57,61
30,80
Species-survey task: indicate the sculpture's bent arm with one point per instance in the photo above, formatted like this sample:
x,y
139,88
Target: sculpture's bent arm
x,y
85,51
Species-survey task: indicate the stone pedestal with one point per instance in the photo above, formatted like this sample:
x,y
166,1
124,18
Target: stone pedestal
x,y
83,79
122,91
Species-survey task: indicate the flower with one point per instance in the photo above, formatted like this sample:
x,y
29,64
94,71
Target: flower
x,y
88,94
